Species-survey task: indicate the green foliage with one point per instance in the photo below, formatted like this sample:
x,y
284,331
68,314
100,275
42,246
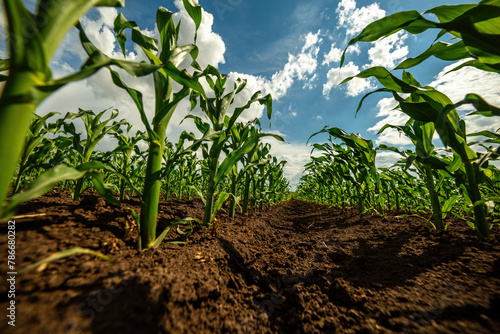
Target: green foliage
x,y
220,130
34,37
477,34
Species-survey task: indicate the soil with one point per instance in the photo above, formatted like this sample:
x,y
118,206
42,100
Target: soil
x,y
296,267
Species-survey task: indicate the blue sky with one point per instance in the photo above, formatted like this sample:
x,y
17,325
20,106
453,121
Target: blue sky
x,y
289,49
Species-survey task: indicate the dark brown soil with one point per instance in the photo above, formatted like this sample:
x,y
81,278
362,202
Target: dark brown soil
x,y
294,268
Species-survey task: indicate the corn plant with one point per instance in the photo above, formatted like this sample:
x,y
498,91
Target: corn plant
x,y
252,160
239,134
361,164
475,28
36,145
220,130
166,101
123,160
180,171
95,130
33,40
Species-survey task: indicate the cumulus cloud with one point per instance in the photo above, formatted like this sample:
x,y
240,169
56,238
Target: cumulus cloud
x,y
356,19
333,56
389,51
456,85
299,67
210,44
354,87
386,159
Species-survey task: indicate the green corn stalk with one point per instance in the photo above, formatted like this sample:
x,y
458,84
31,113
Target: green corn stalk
x,y
33,40
220,130
421,135
180,163
254,159
240,133
166,61
95,130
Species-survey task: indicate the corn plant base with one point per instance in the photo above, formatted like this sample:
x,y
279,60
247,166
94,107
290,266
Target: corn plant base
x,y
294,265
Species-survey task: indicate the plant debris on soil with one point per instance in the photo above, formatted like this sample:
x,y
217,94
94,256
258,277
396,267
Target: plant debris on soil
x,y
296,267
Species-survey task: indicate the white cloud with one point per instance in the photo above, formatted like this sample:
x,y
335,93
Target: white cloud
x,y
356,19
319,117
100,31
254,84
354,87
386,159
310,83
391,116
389,51
385,52
210,44
299,67
333,56
459,83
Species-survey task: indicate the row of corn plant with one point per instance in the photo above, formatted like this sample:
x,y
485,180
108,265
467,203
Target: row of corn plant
x,y
475,30
461,181
67,155
334,178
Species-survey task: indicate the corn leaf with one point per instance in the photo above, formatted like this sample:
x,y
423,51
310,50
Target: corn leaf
x,y
236,155
4,64
177,223
195,12
137,98
440,50
145,42
40,186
